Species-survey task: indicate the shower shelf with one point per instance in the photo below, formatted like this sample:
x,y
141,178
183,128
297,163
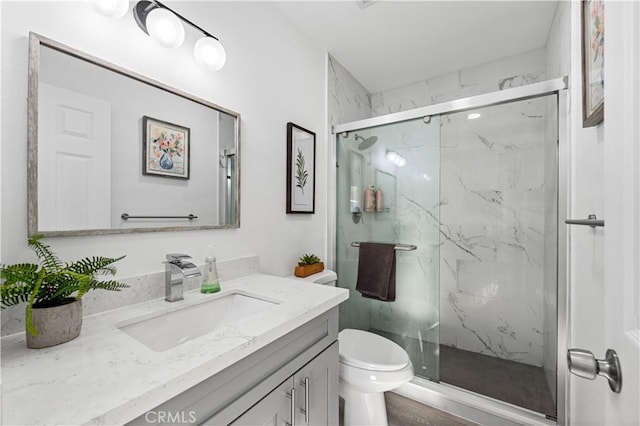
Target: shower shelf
x,y
399,247
384,210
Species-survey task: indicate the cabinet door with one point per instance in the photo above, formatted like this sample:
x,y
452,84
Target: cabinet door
x,y
273,410
317,389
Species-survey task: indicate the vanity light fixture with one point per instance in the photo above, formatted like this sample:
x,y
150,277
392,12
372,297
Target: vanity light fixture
x,y
396,159
164,25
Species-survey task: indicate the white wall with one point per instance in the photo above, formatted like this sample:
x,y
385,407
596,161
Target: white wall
x,y
273,75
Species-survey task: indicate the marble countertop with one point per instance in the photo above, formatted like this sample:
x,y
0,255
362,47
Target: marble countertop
x,y
106,377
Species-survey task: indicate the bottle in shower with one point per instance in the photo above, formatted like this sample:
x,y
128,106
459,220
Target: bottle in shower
x,y
369,199
379,199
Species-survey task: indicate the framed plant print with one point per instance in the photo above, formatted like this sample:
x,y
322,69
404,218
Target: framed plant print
x,y
165,149
301,169
592,62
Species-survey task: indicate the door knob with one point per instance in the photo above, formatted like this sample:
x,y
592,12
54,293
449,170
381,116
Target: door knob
x,y
584,364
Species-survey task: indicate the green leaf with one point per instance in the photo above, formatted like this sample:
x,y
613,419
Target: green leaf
x,y
52,281
301,172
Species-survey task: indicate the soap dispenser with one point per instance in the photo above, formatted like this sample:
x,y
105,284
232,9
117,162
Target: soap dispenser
x,y
210,282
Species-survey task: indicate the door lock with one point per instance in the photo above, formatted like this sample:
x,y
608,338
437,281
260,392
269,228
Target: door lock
x,y
584,364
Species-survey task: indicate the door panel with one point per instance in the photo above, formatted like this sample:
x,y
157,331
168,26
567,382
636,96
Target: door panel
x,y
317,389
274,409
74,151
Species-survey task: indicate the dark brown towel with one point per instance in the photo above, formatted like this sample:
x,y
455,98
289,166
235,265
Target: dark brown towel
x,y
377,271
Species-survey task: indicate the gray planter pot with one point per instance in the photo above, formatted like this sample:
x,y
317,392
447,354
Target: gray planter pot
x,y
56,325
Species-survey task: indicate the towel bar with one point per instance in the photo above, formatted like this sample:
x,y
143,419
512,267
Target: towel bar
x,y
400,247
127,216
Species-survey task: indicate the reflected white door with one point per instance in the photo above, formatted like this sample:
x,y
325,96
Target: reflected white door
x,y
74,160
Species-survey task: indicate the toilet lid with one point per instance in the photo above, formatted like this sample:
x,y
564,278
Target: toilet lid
x,y
366,350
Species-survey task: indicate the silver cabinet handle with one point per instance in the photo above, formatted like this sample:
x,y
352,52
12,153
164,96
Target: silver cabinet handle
x,y
584,364
292,396
305,410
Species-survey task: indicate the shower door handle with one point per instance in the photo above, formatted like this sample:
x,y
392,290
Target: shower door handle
x,y
584,364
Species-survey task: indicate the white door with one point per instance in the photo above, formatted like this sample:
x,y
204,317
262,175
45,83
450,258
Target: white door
x,y
74,160
618,310
622,205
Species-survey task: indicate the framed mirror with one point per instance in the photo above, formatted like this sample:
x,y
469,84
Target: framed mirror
x,y
111,151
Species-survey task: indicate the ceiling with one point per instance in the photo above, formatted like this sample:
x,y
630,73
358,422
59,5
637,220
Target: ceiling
x,y
388,44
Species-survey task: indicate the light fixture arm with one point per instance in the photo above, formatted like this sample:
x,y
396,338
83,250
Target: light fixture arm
x,y
142,9
182,18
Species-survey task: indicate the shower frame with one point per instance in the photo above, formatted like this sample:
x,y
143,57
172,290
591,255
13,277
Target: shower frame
x,y
441,395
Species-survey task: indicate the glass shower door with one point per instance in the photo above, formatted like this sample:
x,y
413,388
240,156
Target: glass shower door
x,y
403,161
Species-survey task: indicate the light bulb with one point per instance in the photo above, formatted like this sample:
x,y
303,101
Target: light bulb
x,y
165,28
210,53
110,8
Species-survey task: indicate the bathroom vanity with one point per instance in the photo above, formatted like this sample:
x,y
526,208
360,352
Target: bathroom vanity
x,y
273,363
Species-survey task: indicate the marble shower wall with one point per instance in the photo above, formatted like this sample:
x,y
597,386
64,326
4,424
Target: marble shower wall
x,y
514,71
348,101
493,208
492,226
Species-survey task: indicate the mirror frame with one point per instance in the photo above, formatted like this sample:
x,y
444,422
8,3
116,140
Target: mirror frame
x,y
35,42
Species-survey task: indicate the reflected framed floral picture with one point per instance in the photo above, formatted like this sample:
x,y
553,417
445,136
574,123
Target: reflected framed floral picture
x,y
301,169
592,62
165,149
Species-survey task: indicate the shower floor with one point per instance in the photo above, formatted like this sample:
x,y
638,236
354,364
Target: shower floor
x,y
509,381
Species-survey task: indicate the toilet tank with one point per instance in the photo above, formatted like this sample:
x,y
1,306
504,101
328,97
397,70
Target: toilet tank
x,y
326,277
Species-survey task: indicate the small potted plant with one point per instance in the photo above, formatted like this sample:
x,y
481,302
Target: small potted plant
x,y
307,265
52,291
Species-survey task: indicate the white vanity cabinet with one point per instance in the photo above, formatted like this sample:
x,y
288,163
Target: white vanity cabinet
x,y
256,390
309,396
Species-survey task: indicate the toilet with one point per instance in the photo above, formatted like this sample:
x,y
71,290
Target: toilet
x,y
369,366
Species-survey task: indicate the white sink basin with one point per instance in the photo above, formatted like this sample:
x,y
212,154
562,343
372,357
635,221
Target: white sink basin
x,y
170,329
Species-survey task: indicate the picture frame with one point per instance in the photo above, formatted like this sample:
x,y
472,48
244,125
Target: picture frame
x,y
301,169
592,12
165,149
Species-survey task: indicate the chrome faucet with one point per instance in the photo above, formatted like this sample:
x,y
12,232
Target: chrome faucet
x,y
176,270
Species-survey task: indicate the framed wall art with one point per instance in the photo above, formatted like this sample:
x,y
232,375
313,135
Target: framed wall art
x,y
301,169
592,62
165,149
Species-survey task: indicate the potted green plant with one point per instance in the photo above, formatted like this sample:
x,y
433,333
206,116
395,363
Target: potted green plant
x,y
308,264
52,291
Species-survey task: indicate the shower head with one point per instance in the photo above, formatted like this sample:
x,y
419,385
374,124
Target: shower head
x,y
365,143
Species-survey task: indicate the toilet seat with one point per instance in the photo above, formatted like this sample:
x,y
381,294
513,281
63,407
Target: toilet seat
x,y
365,350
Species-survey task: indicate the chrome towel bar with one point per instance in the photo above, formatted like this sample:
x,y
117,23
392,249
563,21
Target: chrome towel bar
x,y
591,221
400,247
127,216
